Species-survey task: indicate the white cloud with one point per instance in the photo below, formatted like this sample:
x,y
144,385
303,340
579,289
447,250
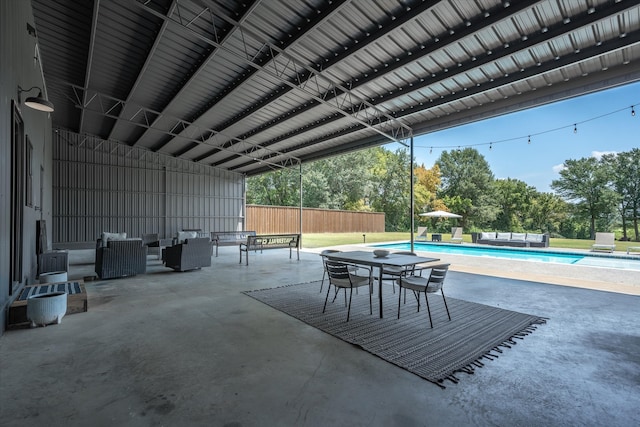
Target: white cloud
x,y
558,168
598,154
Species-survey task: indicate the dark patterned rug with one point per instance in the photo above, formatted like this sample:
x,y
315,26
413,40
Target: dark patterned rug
x,y
475,333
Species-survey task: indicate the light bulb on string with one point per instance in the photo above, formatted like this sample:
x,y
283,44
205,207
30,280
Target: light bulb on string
x,y
575,128
633,112
529,140
490,145
431,150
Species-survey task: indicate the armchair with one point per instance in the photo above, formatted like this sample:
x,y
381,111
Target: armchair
x,y
190,255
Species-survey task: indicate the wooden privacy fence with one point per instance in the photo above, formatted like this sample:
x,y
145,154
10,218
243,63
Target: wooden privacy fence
x,y
284,219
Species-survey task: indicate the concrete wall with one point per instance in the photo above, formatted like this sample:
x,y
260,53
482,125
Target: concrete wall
x,y
108,186
20,66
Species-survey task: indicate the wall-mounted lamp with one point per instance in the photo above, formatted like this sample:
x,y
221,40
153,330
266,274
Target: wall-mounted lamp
x,y
36,102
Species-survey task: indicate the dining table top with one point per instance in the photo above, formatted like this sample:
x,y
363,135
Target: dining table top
x,y
369,258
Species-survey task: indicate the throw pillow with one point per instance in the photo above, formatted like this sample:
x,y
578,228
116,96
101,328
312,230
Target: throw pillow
x,y
106,236
184,235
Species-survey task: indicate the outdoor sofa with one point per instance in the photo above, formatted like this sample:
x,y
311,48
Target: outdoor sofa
x,y
525,240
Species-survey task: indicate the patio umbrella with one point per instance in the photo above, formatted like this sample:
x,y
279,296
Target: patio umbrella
x,y
440,214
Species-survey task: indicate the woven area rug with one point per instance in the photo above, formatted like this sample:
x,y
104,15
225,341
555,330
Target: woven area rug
x,y
475,333
70,288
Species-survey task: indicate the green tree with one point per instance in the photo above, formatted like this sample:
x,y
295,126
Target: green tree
x,y
466,174
584,182
623,170
513,198
547,212
391,192
277,188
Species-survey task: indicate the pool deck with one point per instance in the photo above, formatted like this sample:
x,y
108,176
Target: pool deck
x,y
586,277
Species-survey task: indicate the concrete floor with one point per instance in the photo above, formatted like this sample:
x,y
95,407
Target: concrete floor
x,y
171,348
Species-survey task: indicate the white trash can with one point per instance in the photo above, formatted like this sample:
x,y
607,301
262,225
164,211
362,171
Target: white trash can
x,y
53,277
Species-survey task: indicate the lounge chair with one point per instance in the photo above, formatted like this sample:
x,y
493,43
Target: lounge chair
x,y
422,234
456,234
604,242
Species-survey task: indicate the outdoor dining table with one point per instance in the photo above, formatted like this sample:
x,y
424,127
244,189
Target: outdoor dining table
x,y
369,259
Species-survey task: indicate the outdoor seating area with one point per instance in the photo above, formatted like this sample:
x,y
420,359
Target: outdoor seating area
x,y
523,240
120,256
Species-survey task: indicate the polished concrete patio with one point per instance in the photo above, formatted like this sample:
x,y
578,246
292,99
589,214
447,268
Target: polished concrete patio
x,y
171,348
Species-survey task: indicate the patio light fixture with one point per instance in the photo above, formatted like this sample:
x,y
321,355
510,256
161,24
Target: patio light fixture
x,y
36,102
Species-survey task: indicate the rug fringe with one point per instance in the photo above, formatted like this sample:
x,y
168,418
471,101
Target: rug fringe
x,y
508,343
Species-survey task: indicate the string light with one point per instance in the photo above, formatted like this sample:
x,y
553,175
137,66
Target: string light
x,y
575,131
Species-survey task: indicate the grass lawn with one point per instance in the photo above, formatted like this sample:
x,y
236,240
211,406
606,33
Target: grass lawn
x,y
320,240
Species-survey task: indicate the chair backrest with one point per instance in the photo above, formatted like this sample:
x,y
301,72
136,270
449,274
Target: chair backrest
x,y
325,252
150,238
328,251
456,232
337,270
436,278
605,238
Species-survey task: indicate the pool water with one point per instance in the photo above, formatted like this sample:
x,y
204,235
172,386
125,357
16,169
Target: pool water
x,y
540,255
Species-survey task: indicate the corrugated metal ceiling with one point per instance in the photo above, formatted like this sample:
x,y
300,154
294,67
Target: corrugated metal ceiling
x,y
258,85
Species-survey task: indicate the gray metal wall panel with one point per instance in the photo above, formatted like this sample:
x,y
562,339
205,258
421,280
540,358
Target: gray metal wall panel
x,y
105,186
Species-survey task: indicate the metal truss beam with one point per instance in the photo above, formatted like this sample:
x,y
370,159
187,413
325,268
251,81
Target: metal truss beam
x,y
514,46
106,105
317,86
150,54
386,27
630,39
92,41
221,39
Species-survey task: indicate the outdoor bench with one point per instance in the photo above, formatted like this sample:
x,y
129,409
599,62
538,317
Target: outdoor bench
x,y
270,241
230,238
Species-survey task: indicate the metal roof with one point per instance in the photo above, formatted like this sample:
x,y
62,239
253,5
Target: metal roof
x,y
251,86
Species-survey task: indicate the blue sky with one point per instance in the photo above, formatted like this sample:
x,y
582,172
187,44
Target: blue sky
x,y
538,163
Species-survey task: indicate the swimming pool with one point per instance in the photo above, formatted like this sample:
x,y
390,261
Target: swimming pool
x,y
540,255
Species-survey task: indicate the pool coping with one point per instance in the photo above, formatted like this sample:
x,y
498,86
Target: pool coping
x,y
578,276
